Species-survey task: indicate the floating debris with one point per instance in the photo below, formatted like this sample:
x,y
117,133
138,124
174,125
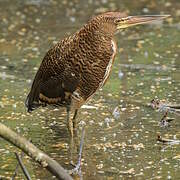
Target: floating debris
x,y
89,107
116,113
163,106
107,121
130,171
120,74
177,157
4,76
166,107
167,141
164,122
143,66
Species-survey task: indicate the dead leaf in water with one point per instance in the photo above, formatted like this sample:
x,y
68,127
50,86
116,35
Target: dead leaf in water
x,y
177,157
138,146
4,166
60,145
130,171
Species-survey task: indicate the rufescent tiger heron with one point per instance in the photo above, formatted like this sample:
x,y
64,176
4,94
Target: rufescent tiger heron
x,y
77,66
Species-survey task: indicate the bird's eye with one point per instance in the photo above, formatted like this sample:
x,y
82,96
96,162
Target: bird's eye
x,y
121,20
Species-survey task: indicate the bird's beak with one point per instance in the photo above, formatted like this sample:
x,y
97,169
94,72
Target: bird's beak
x,y
135,20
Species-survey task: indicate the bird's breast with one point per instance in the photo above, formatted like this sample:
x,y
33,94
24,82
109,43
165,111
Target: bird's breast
x,y
95,76
110,63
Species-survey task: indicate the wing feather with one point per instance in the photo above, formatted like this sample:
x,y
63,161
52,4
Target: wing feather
x,y
54,82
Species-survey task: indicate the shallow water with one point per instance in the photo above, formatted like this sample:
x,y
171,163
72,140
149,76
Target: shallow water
x,y
119,145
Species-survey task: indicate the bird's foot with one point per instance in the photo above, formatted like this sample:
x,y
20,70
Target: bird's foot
x,y
76,170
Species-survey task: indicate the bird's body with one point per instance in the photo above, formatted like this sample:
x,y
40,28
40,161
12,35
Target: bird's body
x,y
76,67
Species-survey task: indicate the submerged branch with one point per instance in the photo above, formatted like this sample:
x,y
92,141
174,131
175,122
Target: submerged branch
x,y
167,141
165,106
26,173
16,169
37,155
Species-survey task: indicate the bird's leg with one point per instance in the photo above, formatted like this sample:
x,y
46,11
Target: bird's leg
x,y
77,168
76,139
69,122
75,122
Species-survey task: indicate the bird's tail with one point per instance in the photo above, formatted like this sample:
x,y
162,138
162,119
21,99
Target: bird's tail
x,y
30,105
32,100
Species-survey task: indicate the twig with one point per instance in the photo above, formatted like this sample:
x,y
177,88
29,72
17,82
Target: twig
x,y
16,169
167,141
26,173
165,107
37,155
164,122
15,172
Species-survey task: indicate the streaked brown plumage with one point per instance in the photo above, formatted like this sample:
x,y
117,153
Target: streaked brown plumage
x,y
76,67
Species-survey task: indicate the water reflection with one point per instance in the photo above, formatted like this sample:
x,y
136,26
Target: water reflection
x,y
115,147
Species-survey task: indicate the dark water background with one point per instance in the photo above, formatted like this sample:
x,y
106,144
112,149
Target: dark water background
x,y
118,145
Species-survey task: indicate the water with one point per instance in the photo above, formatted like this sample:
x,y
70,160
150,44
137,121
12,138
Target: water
x,y
120,144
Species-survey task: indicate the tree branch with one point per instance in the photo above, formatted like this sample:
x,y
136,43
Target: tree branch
x,y
37,155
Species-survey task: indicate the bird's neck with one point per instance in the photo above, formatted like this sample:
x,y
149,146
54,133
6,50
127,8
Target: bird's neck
x,y
96,44
94,35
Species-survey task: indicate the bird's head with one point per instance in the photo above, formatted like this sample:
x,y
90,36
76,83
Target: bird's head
x,y
111,22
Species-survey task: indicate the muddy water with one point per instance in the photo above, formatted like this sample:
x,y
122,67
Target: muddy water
x,y
121,129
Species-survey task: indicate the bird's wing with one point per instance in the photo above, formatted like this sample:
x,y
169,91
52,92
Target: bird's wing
x,y
54,82
59,88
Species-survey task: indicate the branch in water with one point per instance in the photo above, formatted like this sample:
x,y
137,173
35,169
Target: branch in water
x,y
165,106
37,155
167,141
26,173
17,166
